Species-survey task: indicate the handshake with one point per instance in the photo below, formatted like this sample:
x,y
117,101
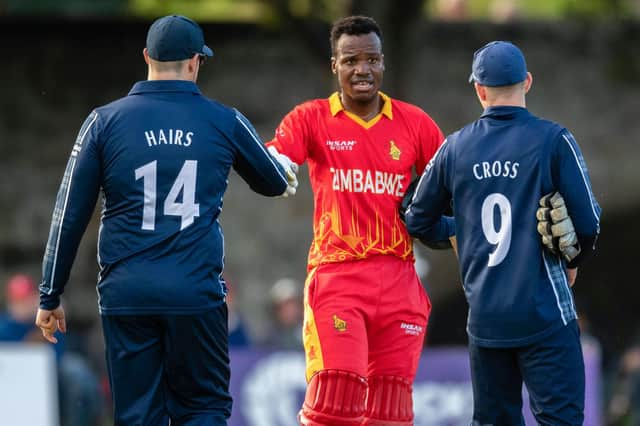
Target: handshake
x,y
556,228
290,169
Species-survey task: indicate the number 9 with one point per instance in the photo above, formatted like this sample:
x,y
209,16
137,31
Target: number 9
x,y
502,236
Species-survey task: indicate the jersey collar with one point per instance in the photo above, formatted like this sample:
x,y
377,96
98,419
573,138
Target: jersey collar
x,y
335,104
154,86
505,112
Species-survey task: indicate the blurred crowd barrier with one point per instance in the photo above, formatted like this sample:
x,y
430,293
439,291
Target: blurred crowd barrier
x,y
28,385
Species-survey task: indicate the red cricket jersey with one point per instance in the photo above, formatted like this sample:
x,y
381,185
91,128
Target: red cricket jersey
x,y
359,172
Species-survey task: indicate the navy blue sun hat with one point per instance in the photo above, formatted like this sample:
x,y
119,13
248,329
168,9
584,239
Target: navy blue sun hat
x,y
175,38
499,63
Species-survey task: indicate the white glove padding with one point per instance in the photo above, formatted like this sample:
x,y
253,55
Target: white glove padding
x,y
290,169
556,228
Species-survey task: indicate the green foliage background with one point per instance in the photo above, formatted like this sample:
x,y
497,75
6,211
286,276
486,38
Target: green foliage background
x,y
276,11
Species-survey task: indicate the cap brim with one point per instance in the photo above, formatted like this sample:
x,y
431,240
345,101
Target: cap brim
x,y
471,79
206,50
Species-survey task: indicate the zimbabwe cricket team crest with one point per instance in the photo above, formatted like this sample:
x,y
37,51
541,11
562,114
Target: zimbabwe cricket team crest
x,y
394,151
339,324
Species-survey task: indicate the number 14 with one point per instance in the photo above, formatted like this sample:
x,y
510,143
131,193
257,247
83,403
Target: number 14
x,y
188,209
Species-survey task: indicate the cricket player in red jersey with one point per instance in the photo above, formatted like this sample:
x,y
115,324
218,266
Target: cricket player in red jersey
x,y
366,310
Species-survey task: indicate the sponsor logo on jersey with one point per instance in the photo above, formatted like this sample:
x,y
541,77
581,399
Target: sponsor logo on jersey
x,y
368,181
412,329
394,151
339,324
341,145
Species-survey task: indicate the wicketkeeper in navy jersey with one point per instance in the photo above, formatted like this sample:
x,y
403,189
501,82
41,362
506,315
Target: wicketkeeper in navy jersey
x,y
522,318
161,157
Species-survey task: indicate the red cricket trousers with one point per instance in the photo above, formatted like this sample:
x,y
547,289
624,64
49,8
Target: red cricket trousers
x,y
367,316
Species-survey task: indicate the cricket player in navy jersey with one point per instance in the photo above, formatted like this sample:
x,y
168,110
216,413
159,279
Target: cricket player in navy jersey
x,y
161,157
522,318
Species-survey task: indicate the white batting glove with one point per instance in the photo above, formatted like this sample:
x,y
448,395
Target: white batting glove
x,y
556,228
290,169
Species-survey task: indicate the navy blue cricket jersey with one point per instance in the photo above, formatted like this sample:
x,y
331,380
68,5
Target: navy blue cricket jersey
x,y
496,170
160,157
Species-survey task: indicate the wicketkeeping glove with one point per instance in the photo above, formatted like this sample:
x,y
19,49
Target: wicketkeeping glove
x,y
290,169
556,228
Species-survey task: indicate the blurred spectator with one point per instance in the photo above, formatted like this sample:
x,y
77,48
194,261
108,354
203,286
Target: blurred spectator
x,y
502,11
16,325
452,10
286,304
238,331
79,393
624,405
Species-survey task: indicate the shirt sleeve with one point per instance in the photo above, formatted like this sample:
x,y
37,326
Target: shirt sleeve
x,y
292,135
424,215
430,138
253,163
571,178
74,207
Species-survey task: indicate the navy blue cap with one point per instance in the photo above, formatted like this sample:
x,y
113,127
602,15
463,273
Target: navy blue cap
x,y
499,63
175,38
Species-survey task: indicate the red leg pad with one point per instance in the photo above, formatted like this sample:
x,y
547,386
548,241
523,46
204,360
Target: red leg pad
x,y
389,402
334,398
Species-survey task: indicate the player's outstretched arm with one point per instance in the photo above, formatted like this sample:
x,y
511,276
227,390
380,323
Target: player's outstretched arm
x,y
290,169
264,173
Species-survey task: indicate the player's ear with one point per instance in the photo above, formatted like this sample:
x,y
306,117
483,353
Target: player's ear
x,y
145,54
481,91
333,65
528,82
193,63
382,61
